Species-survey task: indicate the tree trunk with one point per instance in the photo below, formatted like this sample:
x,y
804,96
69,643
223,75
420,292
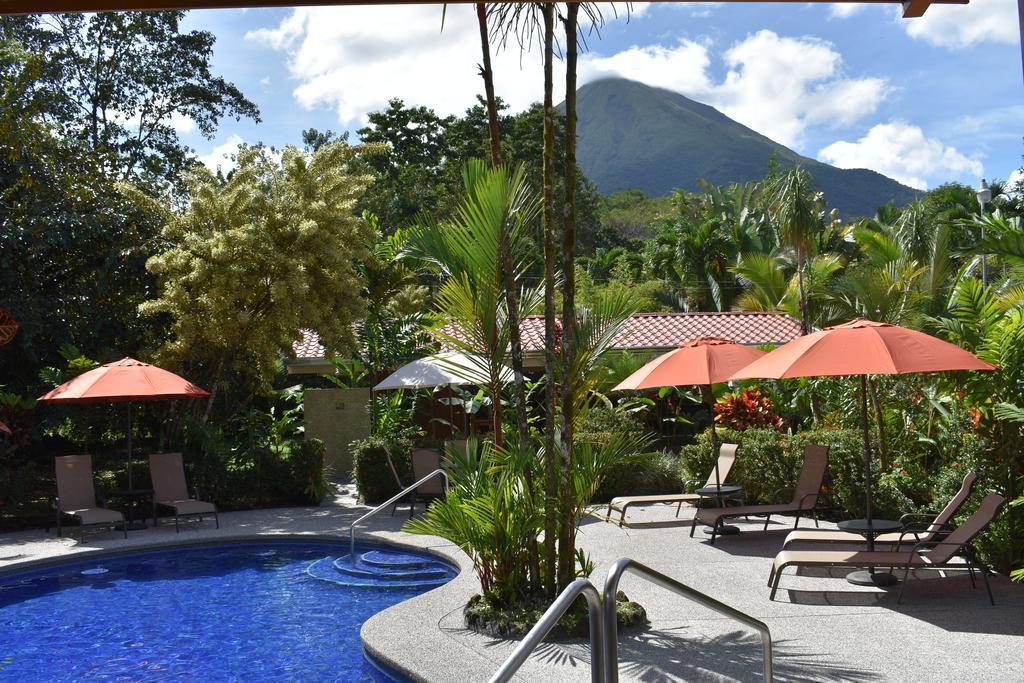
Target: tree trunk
x,y
488,76
805,327
550,469
508,278
566,546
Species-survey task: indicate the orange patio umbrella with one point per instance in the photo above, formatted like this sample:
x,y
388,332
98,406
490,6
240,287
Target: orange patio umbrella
x,y
699,362
862,347
125,381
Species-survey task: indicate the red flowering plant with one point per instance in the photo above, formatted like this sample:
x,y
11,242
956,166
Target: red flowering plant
x,y
746,409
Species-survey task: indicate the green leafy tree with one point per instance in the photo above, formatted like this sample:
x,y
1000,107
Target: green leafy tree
x,y
73,245
253,261
120,83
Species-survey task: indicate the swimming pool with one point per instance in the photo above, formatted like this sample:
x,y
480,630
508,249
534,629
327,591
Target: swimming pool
x,y
254,611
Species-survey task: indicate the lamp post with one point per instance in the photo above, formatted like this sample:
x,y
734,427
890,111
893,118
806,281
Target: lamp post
x,y
984,197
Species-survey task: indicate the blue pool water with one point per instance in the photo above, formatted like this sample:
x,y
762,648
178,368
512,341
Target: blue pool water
x,y
253,612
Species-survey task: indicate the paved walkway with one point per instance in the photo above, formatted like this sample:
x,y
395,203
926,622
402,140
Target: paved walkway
x,y
824,628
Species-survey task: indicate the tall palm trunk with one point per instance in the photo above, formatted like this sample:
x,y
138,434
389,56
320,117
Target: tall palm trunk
x,y
550,469
509,284
567,540
488,76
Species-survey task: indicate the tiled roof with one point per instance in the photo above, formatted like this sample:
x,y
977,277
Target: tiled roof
x,y
669,330
649,331
309,346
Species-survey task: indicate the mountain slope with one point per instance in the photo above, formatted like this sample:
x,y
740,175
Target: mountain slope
x,y
632,135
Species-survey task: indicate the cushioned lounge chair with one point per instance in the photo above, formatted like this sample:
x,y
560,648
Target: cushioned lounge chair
x,y
804,501
170,490
911,532
952,552
76,497
726,458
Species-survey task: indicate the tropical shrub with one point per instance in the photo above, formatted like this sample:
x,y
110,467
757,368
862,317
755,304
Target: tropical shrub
x,y
768,462
374,478
745,409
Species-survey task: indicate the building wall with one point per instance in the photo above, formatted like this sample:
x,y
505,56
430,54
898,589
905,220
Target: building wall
x,y
337,417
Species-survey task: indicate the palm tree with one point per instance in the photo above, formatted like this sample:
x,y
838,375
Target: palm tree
x,y
465,249
797,211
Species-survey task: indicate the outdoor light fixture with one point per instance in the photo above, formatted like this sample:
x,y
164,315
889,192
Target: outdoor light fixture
x,y
984,197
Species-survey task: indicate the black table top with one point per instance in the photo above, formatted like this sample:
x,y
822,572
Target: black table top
x,y
723,490
878,526
131,493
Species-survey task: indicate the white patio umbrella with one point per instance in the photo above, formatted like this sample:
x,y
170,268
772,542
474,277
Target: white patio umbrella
x,y
442,370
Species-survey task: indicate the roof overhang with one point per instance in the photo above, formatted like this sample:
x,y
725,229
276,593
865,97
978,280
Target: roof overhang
x,y
911,8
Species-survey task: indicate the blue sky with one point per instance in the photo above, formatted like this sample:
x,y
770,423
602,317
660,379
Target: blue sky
x,y
922,100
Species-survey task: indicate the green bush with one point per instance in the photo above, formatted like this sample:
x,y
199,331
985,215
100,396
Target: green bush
x,y
374,479
656,473
768,461
307,464
648,474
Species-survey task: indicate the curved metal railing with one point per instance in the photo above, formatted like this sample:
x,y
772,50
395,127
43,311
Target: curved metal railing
x,y
548,620
604,647
393,499
611,588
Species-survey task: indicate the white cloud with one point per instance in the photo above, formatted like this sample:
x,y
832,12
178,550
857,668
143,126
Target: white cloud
x,y
223,155
355,58
845,10
775,85
682,68
901,151
963,25
182,123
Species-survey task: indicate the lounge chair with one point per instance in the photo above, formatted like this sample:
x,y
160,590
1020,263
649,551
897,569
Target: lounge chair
x,y
938,525
726,459
804,501
170,491
425,461
76,497
924,554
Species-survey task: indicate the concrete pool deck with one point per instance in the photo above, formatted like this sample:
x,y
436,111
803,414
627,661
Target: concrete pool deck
x,y
823,627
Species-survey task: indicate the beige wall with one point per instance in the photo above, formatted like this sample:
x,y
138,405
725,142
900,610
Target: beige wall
x,y
337,417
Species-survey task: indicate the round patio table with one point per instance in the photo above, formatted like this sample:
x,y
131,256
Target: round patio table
x,y
870,529
721,494
133,497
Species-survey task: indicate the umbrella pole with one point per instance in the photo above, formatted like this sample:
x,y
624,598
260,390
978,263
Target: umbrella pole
x,y
130,487
867,454
709,399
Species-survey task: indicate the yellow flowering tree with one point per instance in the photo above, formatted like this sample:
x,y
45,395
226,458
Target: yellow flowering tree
x,y
255,259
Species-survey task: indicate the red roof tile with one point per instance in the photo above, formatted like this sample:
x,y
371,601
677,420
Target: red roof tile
x,y
648,331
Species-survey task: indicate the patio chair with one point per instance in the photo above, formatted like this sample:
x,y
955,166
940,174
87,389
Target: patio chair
x,y
425,461
76,497
170,491
938,525
804,501
924,555
726,459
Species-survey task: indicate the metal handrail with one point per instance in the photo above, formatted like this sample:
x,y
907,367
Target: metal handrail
x,y
393,499
604,646
611,588
547,622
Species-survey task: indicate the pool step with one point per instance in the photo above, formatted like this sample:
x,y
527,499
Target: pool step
x,y
344,565
382,569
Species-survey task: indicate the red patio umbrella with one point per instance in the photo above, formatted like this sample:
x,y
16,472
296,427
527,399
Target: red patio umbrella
x,y
862,347
124,381
701,362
